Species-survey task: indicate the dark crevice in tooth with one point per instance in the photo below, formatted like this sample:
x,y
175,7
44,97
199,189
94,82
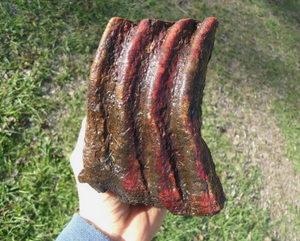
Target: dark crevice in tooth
x,y
120,133
138,54
147,143
120,40
98,154
132,79
169,184
173,147
191,97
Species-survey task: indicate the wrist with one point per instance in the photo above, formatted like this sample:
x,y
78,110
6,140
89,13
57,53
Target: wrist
x,y
95,223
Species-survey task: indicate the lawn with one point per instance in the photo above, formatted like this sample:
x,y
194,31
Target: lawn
x,y
250,113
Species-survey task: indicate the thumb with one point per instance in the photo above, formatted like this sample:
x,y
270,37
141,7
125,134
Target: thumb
x,y
76,157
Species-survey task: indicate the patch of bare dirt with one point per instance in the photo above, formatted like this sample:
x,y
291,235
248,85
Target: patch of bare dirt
x,y
252,129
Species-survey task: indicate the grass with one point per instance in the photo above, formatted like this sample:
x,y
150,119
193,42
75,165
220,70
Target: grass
x,y
46,50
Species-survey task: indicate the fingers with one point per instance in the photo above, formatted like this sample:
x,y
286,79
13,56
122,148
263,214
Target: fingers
x,y
80,141
156,218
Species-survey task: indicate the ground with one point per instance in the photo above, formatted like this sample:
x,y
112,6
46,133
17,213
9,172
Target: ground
x,y
261,143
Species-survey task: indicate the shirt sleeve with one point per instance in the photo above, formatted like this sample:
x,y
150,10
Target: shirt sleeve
x,y
78,229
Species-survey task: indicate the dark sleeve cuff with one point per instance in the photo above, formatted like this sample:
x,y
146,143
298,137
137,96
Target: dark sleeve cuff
x,y
78,229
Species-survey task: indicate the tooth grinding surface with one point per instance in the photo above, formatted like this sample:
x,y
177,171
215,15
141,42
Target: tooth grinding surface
x,y
143,133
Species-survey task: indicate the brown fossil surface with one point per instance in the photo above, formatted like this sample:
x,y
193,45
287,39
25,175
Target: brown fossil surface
x,y
143,133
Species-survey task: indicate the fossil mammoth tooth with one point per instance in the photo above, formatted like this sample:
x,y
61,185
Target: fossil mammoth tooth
x,y
143,132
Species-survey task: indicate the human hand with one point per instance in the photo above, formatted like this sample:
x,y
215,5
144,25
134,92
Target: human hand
x,y
117,220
